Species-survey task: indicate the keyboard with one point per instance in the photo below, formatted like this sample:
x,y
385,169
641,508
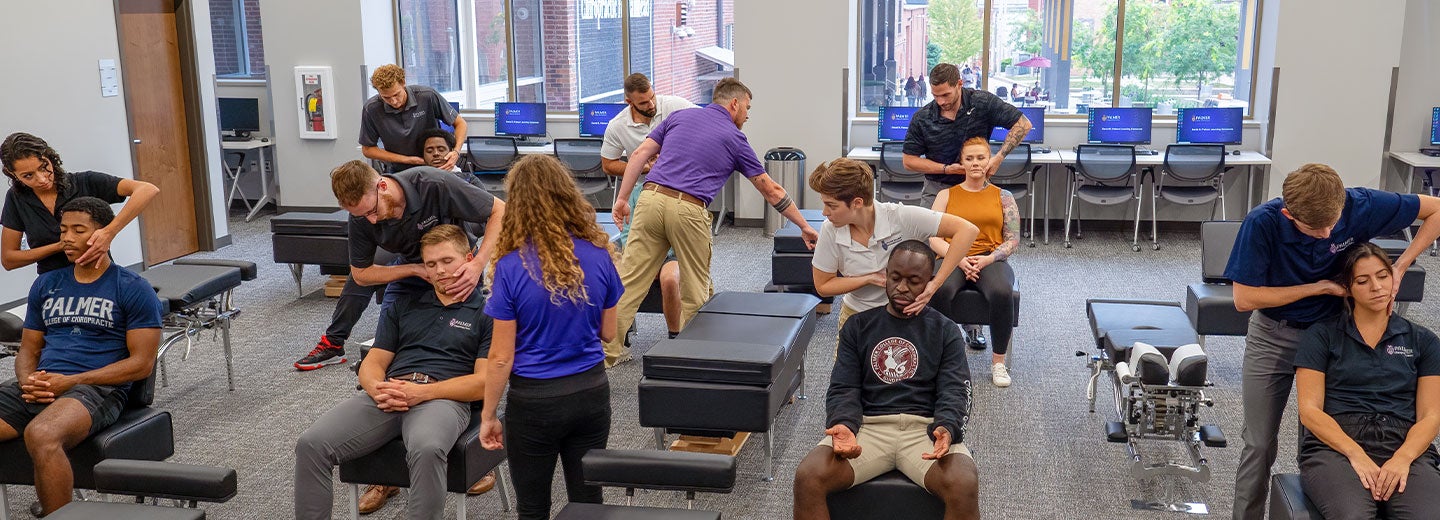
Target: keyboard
x,y
877,147
1040,149
532,142
1146,151
234,138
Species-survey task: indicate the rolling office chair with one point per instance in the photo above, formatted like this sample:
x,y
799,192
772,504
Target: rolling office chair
x,y
582,156
896,183
1017,175
1200,165
489,158
234,164
1103,175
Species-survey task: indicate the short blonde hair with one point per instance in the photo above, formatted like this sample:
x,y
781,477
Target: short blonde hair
x,y
352,181
1314,195
446,234
844,180
387,76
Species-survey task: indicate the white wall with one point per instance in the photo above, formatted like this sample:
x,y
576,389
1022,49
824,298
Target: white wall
x,y
1335,62
1417,92
88,130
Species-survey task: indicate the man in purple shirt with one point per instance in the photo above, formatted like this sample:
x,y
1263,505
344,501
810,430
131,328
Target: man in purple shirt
x,y
701,149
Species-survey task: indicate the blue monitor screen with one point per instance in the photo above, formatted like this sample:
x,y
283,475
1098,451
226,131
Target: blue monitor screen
x,y
521,119
1036,115
594,117
1435,126
1209,125
894,122
1119,126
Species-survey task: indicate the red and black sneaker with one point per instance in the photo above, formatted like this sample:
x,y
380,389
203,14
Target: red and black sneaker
x,y
324,353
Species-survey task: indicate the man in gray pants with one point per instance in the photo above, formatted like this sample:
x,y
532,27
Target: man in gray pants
x,y
420,382
1283,265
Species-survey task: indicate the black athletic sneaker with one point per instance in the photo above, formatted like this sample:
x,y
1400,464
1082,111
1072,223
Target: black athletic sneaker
x,y
323,354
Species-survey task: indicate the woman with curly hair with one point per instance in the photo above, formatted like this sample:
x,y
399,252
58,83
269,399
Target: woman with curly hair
x,y
39,186
554,288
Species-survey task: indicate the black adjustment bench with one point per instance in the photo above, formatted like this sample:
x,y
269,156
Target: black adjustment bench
x,y
184,483
300,238
198,296
467,463
141,433
645,469
1210,304
886,497
1287,499
731,370
790,270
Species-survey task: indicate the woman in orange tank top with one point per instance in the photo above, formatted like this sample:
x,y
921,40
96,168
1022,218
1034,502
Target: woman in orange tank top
x,y
993,210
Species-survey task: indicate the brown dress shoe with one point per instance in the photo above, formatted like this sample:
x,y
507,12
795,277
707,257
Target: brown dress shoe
x,y
375,497
485,484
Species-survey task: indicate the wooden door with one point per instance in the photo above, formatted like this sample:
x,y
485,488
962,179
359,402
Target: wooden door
x,y
160,136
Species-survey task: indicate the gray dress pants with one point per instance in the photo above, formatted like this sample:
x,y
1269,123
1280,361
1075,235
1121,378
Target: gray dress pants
x,y
355,427
1268,375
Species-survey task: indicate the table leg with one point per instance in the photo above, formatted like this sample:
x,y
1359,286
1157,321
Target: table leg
x,y
1047,204
264,185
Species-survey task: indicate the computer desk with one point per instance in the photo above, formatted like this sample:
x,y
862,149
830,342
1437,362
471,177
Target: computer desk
x,y
1426,165
1248,159
259,148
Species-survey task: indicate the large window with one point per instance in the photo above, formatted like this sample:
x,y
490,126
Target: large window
x,y
1061,54
235,33
565,52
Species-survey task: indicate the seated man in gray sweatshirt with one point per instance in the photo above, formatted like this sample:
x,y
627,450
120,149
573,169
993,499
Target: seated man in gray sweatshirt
x,y
899,399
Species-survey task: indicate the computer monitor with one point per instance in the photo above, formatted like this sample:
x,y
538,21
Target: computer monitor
x,y
893,123
1435,126
520,119
1036,115
1209,125
239,116
594,117
1118,126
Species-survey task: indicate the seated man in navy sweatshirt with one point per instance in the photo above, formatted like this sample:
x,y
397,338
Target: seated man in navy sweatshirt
x,y
899,399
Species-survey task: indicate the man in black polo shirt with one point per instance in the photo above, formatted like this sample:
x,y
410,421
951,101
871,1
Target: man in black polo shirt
x,y
392,212
398,114
421,381
932,144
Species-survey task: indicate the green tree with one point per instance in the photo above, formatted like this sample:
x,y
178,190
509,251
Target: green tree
x,y
1145,39
1094,50
1203,36
1027,34
957,28
932,55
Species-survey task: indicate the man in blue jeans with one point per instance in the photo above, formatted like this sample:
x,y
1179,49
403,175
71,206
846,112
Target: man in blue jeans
x,y
1283,265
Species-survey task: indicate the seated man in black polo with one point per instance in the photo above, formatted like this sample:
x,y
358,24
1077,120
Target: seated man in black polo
x,y
90,330
421,381
899,399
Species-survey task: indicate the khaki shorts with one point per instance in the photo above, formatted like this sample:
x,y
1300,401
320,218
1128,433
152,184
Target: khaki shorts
x,y
894,442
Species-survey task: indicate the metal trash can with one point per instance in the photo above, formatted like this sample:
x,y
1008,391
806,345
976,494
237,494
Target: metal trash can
x,y
787,166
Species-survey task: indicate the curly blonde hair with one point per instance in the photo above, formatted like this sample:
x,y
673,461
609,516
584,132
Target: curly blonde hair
x,y
543,210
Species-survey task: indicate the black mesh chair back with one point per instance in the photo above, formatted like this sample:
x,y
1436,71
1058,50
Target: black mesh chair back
x,y
1015,168
490,154
895,181
1194,162
1105,162
582,156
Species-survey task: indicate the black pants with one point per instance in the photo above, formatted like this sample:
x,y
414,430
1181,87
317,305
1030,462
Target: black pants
x,y
353,301
996,284
538,430
1331,483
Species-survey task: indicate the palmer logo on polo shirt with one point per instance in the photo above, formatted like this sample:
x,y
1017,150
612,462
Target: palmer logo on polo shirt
x,y
1399,350
1336,248
462,325
428,223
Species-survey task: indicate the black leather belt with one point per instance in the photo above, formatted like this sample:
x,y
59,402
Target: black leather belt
x,y
1297,325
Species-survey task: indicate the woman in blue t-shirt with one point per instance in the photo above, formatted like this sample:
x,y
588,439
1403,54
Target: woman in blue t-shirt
x,y
554,288
1368,387
39,186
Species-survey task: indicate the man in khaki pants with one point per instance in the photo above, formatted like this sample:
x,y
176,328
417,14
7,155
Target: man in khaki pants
x,y
702,147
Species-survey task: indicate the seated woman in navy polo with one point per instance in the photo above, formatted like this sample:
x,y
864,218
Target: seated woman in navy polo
x,y
1369,395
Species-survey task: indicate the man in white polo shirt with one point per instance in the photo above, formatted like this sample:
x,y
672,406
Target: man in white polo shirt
x,y
625,133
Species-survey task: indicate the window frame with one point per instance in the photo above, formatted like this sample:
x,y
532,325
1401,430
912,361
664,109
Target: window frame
x,y
242,45
1252,34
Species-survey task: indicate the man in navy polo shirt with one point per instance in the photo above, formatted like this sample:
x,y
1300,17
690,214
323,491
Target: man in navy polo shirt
x,y
701,149
1283,266
420,382
90,330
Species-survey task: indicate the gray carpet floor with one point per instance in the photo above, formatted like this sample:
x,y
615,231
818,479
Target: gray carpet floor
x,y
1040,452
